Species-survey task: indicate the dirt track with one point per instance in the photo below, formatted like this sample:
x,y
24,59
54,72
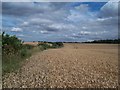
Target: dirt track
x,y
74,65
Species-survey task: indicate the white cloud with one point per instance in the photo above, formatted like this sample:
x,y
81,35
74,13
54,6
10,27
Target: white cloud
x,y
82,8
62,26
110,9
81,14
14,29
84,27
85,32
43,32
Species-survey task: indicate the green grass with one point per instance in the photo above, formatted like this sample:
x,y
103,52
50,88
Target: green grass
x,y
12,59
11,63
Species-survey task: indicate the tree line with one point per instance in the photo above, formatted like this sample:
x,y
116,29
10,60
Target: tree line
x,y
109,41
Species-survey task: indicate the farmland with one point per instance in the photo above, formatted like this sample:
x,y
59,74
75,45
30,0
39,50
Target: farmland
x,y
74,65
56,44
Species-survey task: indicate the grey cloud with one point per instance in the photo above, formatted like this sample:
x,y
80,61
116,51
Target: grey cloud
x,y
49,29
57,22
29,8
21,9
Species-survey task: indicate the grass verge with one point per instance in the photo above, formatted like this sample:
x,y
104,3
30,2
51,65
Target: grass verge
x,y
12,60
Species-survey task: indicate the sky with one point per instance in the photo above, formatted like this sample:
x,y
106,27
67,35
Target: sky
x,y
61,21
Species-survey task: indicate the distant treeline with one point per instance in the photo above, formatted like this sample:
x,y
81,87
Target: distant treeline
x,y
110,41
57,42
115,41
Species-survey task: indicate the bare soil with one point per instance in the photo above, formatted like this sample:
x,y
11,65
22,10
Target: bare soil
x,y
74,65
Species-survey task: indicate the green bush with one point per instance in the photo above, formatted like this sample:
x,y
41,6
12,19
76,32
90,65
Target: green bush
x,y
44,46
27,46
47,45
57,44
23,53
13,41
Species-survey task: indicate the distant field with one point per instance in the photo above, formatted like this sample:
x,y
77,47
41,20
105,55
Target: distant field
x,y
74,65
31,43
